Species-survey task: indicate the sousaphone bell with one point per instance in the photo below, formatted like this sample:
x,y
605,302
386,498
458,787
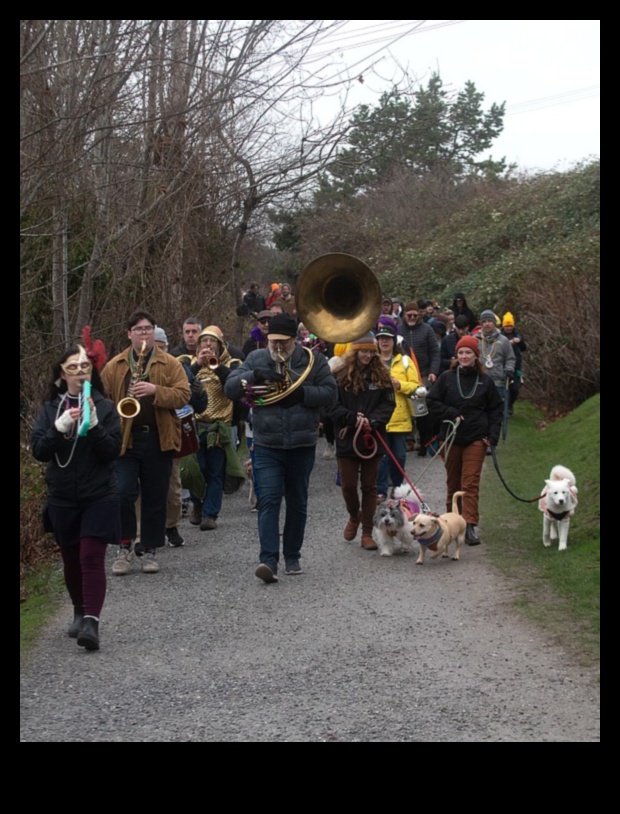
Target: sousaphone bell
x,y
338,297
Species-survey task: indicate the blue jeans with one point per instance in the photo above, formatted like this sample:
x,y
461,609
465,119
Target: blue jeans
x,y
212,463
282,473
397,442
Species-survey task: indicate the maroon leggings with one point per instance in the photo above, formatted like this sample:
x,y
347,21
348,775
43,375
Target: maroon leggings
x,y
84,567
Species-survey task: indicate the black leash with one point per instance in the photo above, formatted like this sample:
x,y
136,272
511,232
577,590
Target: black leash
x,y
505,485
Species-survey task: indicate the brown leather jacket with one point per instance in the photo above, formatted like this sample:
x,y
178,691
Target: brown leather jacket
x,y
168,375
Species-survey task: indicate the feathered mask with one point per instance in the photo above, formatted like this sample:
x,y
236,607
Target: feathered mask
x,y
95,351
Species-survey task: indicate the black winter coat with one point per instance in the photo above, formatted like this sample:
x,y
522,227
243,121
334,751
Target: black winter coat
x,y
482,413
89,477
376,403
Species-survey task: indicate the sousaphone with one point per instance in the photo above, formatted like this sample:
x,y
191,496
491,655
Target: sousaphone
x,y
338,297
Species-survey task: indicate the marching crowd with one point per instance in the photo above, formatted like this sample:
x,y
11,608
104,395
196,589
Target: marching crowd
x,y
126,438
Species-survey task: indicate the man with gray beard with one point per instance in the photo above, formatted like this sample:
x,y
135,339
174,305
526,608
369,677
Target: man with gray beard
x,y
285,432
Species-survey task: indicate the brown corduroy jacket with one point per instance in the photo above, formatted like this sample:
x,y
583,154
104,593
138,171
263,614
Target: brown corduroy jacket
x,y
173,392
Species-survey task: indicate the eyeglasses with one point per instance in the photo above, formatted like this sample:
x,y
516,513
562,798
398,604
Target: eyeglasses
x,y
143,329
264,321
75,368
412,313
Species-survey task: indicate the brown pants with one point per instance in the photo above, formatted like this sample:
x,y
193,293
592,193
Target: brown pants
x,y
463,468
364,470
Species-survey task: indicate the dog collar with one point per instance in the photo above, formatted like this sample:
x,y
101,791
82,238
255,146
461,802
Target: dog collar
x,y
429,541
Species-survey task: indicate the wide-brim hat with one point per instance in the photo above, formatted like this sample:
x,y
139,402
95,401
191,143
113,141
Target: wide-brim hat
x,y
264,315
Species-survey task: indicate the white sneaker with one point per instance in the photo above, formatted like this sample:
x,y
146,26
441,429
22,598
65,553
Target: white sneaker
x,y
123,561
148,563
329,452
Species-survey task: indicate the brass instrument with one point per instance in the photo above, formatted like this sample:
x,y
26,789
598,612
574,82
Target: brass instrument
x,y
212,362
186,358
338,297
262,395
129,407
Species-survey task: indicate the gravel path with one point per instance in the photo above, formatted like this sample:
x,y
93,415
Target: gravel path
x,y
357,649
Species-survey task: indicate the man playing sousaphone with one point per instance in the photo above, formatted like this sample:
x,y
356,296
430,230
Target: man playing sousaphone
x,y
216,454
286,385
153,385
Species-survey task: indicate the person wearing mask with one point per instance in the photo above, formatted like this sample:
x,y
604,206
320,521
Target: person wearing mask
x,y
459,306
79,437
158,383
466,399
420,338
365,404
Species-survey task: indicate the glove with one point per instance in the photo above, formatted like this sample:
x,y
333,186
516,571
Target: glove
x,y
64,423
296,397
222,372
267,374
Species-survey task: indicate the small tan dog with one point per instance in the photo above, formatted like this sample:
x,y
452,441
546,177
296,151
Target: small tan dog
x,y
437,533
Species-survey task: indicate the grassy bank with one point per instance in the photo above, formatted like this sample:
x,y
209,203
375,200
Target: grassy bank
x,y
559,590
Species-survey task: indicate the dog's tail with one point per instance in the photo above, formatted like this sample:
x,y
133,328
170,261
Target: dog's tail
x,y
563,473
455,501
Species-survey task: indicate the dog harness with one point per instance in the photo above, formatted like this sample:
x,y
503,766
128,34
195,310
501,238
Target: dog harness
x,y
430,542
559,516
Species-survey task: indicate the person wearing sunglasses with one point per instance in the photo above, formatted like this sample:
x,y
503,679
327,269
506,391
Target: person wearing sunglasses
x,y
79,437
258,334
158,382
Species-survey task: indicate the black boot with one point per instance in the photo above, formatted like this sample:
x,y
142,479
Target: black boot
x,y
88,636
78,619
471,535
174,538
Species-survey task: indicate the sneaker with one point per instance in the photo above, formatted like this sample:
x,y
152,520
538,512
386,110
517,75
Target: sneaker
x,y
381,498
328,454
208,524
148,563
122,563
174,538
195,517
266,573
293,567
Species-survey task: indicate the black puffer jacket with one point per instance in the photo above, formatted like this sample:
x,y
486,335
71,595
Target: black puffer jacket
x,y
89,476
376,403
482,413
278,425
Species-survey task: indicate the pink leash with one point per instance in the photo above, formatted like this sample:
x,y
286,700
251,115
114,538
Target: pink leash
x,y
369,441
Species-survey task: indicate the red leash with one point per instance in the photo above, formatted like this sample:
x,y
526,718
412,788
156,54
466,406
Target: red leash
x,y
369,442
400,469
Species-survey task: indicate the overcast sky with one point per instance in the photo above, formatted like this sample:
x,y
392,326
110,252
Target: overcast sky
x,y
547,72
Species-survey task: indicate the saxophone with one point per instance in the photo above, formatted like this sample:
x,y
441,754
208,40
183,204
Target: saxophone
x,y
129,407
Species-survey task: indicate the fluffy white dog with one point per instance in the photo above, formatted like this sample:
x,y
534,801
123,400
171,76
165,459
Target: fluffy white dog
x,y
392,529
558,503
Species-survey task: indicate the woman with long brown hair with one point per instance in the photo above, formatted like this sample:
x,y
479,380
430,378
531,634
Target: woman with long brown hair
x,y
365,405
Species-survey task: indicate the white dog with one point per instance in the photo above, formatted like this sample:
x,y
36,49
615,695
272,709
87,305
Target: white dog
x,y
392,528
557,503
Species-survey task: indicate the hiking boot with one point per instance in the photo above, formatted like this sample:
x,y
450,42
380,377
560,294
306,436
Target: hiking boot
x,y
368,543
76,625
174,538
266,573
88,637
350,530
122,563
471,535
293,567
208,524
195,517
148,563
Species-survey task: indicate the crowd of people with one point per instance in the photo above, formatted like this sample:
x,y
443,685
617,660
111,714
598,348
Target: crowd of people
x,y
127,439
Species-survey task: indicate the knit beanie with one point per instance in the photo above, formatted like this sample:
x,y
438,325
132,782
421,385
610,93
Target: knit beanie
x,y
411,306
488,314
366,342
469,342
508,319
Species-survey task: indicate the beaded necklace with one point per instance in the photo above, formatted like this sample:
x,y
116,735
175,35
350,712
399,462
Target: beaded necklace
x,y
488,356
460,389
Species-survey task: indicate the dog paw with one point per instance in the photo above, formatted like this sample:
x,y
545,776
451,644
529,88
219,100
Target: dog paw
x,y
547,543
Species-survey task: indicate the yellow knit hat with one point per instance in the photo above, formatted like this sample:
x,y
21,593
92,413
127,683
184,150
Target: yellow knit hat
x,y
508,320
